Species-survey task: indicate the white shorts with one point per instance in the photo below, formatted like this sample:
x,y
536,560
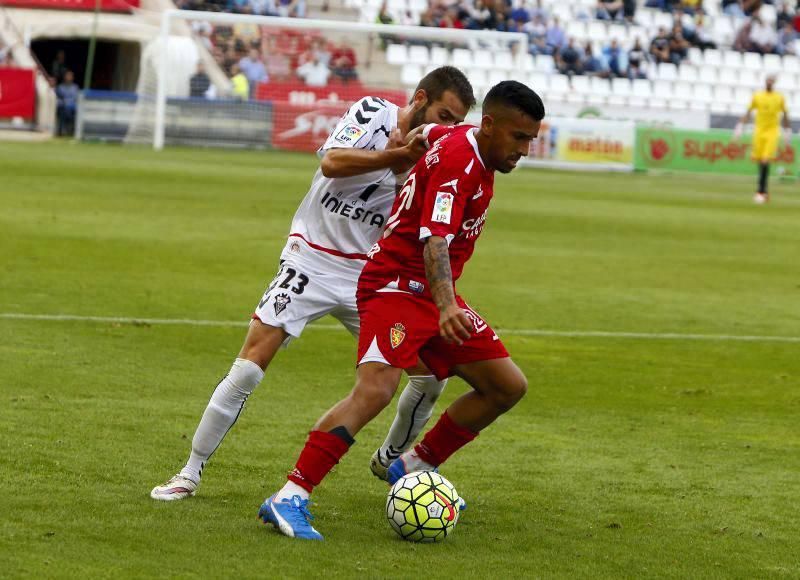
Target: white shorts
x,y
300,294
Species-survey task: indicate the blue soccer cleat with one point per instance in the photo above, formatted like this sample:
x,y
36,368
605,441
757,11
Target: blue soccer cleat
x,y
290,516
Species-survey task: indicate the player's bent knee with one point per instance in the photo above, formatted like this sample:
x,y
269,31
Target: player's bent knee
x,y
510,392
262,342
376,385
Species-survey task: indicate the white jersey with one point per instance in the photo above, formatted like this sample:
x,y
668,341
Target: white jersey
x,y
341,218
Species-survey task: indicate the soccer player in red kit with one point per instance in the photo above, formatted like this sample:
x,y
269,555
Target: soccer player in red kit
x,y
409,308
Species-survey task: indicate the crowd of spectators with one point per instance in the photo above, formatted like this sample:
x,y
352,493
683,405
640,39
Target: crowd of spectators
x,y
285,8
250,55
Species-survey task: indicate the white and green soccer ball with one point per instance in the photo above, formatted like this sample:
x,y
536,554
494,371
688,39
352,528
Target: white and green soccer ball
x,y
423,507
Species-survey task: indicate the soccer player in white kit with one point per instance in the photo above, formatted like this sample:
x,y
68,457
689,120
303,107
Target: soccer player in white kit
x,y
340,218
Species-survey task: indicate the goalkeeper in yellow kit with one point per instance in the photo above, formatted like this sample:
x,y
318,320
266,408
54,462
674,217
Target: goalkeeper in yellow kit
x,y
768,105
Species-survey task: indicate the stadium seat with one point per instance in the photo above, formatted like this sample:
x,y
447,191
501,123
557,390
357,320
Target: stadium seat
x,y
600,86
662,89
642,88
712,57
419,55
621,87
559,84
667,71
461,58
791,64
773,63
538,81
708,74
504,60
482,59
581,85
750,78
410,74
728,76
545,63
723,31
528,62
732,59
702,93
768,13
644,17
597,31
496,76
753,61
440,56
477,77
695,56
724,94
682,90
742,97
662,19
563,11
687,72
577,29
397,54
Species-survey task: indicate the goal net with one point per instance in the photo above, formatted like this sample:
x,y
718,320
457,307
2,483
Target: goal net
x,y
233,80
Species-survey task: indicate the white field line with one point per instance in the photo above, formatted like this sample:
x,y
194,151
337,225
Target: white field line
x,y
503,331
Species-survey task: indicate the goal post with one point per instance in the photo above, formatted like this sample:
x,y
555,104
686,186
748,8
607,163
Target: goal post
x,y
292,109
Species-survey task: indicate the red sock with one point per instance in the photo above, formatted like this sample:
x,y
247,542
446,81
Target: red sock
x,y
443,440
320,454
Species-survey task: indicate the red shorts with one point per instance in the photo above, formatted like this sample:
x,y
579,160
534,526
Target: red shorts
x,y
397,328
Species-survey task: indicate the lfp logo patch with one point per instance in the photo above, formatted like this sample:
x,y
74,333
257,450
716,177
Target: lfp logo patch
x,y
349,134
443,207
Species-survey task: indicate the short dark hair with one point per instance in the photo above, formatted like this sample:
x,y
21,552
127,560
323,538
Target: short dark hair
x,y
447,78
516,95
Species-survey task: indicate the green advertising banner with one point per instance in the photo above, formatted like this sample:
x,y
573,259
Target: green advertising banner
x,y
712,151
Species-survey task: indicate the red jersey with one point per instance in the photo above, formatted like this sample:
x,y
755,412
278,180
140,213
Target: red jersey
x,y
447,194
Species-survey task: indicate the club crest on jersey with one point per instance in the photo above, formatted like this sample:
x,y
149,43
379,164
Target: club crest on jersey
x,y
349,134
281,302
442,207
397,334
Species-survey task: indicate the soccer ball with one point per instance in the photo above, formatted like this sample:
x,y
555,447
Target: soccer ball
x,y
423,507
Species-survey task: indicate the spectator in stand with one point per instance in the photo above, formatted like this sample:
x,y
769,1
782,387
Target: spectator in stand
x,y
480,17
343,63
783,16
240,87
678,45
279,67
451,20
702,38
238,6
555,38
741,41
659,46
616,10
522,15
199,82
314,73
292,8
264,7
254,69
637,61
691,7
59,67
509,25
536,30
614,55
67,105
568,59
762,37
609,9
538,10
733,8
318,50
787,40
591,64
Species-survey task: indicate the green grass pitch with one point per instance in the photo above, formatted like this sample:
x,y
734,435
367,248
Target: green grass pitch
x,y
643,455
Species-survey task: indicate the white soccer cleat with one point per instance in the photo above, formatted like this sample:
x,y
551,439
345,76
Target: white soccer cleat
x,y
760,198
176,488
377,467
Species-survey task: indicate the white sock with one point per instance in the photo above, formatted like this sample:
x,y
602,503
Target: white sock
x,y
414,409
290,490
221,413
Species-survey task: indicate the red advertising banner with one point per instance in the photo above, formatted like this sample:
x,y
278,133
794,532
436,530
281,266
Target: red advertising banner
x,y
17,93
105,5
299,94
303,128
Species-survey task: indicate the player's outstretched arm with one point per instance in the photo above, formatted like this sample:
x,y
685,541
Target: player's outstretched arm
x,y
454,326
346,162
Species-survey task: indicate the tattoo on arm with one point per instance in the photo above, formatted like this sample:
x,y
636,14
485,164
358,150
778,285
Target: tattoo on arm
x,y
438,272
